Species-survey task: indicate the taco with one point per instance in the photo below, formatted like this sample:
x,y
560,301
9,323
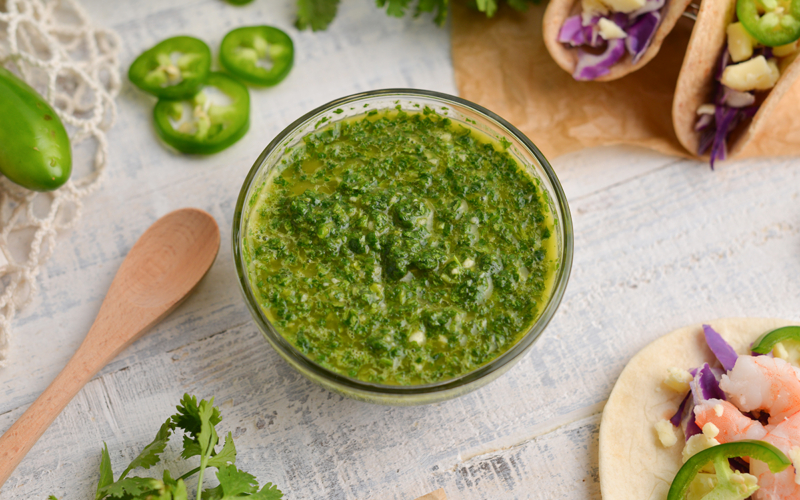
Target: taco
x,y
607,39
689,378
740,62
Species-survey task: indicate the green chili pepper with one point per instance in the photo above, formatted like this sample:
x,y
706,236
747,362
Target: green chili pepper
x,y
766,342
719,455
34,146
772,22
175,68
200,125
258,55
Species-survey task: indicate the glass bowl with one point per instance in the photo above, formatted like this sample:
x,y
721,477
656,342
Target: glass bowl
x,y
460,111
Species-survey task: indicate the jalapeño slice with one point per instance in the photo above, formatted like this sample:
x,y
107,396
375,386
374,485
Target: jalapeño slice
x,y
766,342
202,124
772,22
719,455
173,69
258,55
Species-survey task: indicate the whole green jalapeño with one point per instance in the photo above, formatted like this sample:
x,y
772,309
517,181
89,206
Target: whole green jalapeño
x,y
772,22
258,55
210,121
175,68
34,147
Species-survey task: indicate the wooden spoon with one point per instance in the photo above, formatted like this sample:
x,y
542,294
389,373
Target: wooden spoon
x,y
164,265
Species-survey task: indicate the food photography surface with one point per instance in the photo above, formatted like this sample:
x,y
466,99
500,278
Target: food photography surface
x,y
411,250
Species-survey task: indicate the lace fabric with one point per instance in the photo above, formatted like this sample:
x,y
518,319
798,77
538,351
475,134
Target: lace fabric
x,y
52,45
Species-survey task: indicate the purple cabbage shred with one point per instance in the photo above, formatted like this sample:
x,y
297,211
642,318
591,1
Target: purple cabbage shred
x,y
641,34
639,26
591,66
676,419
722,350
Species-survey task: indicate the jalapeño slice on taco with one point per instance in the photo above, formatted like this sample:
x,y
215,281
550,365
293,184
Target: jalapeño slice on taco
x,y
607,39
698,415
739,63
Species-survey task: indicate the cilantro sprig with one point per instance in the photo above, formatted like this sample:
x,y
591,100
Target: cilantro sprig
x,y
198,421
318,14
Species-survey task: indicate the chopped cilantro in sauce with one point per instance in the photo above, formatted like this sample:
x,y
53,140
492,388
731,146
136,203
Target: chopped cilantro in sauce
x,y
400,248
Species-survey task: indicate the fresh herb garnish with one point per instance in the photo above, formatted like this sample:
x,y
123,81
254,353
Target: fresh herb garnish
x,y
318,14
198,422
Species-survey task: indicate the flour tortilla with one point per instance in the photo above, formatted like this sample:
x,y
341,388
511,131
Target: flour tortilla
x,y
696,85
567,57
633,463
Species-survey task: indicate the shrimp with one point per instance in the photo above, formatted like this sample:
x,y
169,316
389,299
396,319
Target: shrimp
x,y
732,425
766,384
785,436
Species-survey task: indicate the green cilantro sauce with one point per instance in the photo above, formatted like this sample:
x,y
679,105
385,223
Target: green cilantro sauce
x,y
400,248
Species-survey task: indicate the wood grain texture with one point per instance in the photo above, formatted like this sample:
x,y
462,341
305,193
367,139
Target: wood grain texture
x,y
660,243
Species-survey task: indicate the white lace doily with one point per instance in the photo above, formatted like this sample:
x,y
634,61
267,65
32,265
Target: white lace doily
x,y
52,45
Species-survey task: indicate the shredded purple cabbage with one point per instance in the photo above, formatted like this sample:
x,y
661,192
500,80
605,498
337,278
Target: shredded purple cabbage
x,y
732,107
705,385
688,424
676,419
722,350
572,32
591,66
639,26
641,34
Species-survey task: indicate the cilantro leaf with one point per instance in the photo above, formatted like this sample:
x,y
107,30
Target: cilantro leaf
x,y
213,494
191,448
198,420
149,455
316,14
268,492
132,487
188,416
175,490
226,455
235,482
106,473
207,437
396,8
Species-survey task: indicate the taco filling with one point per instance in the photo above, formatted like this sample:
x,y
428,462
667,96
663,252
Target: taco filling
x,y
741,421
606,30
762,41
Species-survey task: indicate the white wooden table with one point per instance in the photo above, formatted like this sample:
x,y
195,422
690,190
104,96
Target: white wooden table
x,y
659,243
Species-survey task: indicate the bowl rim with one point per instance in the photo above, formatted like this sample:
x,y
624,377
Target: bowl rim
x,y
351,384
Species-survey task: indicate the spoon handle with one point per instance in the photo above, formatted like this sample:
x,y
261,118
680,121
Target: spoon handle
x,y
23,434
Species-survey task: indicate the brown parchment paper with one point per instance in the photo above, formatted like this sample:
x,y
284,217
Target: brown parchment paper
x,y
503,65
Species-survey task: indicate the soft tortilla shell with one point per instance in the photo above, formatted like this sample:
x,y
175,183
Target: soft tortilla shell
x,y
633,463
765,134
567,57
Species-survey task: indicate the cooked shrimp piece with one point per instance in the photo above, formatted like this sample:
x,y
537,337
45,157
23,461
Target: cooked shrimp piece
x,y
765,384
732,425
781,486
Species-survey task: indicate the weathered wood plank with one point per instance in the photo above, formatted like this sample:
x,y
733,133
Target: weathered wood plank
x,y
660,243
